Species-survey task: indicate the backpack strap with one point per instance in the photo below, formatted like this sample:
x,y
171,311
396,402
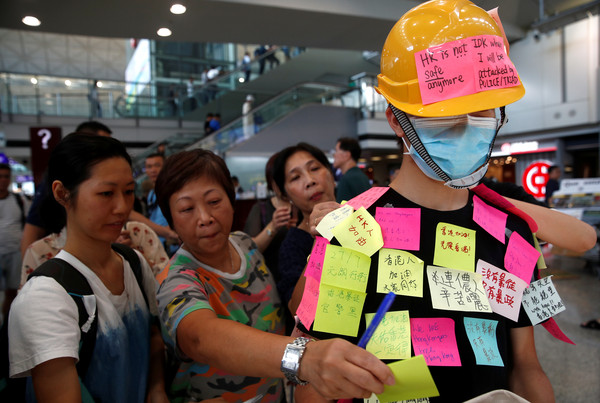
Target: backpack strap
x,y
77,286
136,266
22,207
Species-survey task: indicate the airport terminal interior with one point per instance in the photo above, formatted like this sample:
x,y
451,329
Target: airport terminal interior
x,y
247,78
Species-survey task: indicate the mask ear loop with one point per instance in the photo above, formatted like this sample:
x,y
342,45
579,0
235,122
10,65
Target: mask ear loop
x,y
410,132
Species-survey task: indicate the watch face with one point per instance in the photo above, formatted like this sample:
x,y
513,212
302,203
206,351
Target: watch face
x,y
291,358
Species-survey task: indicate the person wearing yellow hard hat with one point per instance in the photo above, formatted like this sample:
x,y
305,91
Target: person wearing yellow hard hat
x,y
457,257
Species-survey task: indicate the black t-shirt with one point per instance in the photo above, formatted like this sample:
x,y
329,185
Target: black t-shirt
x,y
455,384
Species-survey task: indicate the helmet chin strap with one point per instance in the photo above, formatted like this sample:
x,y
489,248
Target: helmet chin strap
x,y
466,182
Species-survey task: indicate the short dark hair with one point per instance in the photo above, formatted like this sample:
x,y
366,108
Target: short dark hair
x,y
92,127
552,168
4,166
154,155
71,162
352,145
186,166
269,171
286,153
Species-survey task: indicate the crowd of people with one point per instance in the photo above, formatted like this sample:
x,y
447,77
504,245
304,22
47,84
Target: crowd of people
x,y
179,308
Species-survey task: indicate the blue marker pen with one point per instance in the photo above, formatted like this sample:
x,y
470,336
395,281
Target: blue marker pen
x,y
381,311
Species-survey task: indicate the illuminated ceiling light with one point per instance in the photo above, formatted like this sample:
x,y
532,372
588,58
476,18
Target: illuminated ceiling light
x,y
99,84
164,32
33,80
376,159
68,83
393,156
178,8
31,21
241,79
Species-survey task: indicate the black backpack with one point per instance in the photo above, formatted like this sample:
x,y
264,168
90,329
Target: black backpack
x,y
76,285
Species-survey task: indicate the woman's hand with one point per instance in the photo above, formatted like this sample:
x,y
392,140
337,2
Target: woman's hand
x,y
338,369
281,217
319,211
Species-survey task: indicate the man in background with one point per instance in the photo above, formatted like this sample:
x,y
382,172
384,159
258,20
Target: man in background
x,y
552,185
12,219
353,181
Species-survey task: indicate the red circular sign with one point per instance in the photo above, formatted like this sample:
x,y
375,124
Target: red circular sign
x,y
535,178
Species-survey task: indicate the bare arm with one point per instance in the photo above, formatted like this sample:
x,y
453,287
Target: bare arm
x,y
156,382
47,377
558,228
336,368
31,233
527,378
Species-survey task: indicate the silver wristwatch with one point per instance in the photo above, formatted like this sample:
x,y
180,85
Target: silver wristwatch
x,y
290,363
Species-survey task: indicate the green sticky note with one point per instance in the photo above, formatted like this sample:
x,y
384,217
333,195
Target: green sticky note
x,y
338,310
359,232
345,268
413,381
391,340
399,272
454,247
541,263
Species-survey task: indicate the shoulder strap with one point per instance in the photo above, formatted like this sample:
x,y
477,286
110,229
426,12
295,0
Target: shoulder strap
x,y
77,286
489,195
22,207
136,266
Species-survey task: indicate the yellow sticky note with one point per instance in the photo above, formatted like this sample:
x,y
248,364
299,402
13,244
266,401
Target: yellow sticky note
x,y
391,339
332,219
454,247
360,232
457,290
413,381
345,268
339,310
399,272
541,263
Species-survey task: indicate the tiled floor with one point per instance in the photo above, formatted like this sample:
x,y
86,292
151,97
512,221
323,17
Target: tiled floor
x,y
574,371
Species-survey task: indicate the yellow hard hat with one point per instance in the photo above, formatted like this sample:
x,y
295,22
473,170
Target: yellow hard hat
x,y
428,25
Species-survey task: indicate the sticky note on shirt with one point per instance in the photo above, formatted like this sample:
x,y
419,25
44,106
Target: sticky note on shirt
x,y
332,219
368,197
308,306
520,257
454,247
504,290
482,336
339,310
413,381
489,218
434,338
391,339
399,272
456,290
315,261
400,227
541,301
360,232
345,268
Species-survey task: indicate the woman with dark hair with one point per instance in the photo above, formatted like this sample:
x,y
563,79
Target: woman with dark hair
x,y
268,221
93,187
220,308
303,174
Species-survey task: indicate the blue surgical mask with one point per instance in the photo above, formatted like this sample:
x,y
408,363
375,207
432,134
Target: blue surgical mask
x,y
459,145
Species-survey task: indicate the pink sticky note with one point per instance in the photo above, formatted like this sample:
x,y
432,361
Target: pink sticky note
x,y
493,197
308,306
463,67
489,218
504,290
314,268
434,338
368,197
400,227
551,326
521,257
